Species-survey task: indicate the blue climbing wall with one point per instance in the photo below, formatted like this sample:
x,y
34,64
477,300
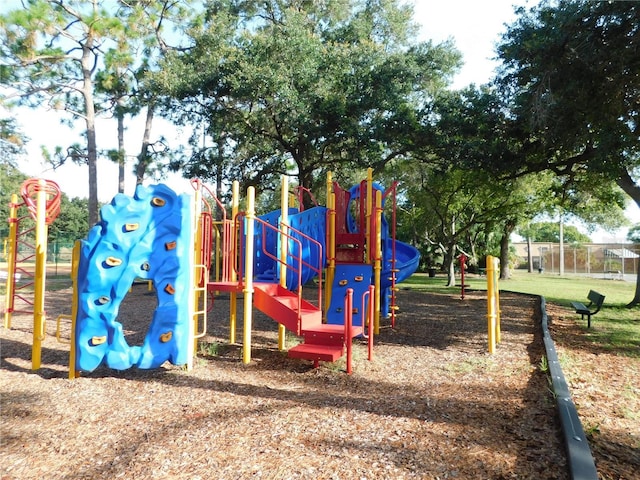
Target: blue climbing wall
x,y
147,236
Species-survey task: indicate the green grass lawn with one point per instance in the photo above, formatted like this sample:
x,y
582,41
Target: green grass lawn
x,y
615,327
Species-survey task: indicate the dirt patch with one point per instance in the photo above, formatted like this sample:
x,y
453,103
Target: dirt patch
x,y
431,404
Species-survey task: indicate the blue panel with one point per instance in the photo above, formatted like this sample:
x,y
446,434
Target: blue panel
x,y
151,236
355,276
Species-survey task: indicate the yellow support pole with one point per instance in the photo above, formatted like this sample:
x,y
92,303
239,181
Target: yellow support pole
x,y
491,306
331,243
197,222
75,259
496,292
11,260
39,320
377,267
248,272
233,297
284,225
368,212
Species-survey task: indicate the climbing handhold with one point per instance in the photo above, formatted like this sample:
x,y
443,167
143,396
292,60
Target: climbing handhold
x,y
113,261
145,267
342,283
130,227
358,278
170,245
95,341
158,202
103,300
169,289
165,337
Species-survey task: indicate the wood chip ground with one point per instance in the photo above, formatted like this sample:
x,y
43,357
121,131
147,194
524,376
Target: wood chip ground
x,y
432,404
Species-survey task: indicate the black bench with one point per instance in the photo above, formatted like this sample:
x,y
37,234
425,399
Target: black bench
x,y
595,301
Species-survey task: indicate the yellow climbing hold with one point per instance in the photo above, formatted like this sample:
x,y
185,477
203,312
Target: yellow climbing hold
x,y
343,282
113,261
98,340
158,202
130,227
165,337
358,278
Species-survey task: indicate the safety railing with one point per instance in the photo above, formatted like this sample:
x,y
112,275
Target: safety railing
x,y
296,254
368,310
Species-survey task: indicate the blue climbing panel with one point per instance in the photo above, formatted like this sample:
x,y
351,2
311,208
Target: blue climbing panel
x,y
355,276
147,236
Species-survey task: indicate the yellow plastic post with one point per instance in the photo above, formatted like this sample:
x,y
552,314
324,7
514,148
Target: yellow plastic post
x,y
39,320
197,222
330,242
491,311
370,201
75,259
11,260
496,293
233,297
248,272
377,267
284,225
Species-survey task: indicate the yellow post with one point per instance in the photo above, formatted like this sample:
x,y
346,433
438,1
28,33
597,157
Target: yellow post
x,y
75,259
233,297
197,222
491,311
330,242
39,320
377,267
248,272
496,293
368,255
11,260
284,225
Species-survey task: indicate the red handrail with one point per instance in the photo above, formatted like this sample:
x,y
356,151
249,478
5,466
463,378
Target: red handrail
x,y
348,318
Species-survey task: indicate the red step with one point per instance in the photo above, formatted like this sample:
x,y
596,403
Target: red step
x,y
282,305
322,353
327,334
224,287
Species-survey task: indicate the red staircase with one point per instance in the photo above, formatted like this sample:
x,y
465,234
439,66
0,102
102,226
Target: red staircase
x,y
322,342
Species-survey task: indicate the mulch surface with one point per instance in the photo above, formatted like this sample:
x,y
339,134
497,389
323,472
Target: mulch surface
x,y
432,403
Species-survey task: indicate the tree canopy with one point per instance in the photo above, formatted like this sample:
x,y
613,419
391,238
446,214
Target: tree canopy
x,y
301,87
570,72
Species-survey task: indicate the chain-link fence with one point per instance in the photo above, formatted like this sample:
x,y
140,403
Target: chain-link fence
x,y
57,252
614,261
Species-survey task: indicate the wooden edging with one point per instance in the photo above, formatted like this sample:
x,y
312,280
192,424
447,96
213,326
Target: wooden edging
x,y
581,463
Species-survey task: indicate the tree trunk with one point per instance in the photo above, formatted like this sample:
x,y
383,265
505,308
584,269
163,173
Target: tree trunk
x,y
143,158
219,170
505,273
121,148
625,181
90,118
449,264
509,227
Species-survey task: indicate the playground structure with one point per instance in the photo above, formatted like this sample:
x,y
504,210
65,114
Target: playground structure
x,y
192,246
41,200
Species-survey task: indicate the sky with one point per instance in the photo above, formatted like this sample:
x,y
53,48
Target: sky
x,y
474,26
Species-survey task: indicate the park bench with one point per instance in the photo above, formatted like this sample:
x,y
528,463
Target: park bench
x,y
595,301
